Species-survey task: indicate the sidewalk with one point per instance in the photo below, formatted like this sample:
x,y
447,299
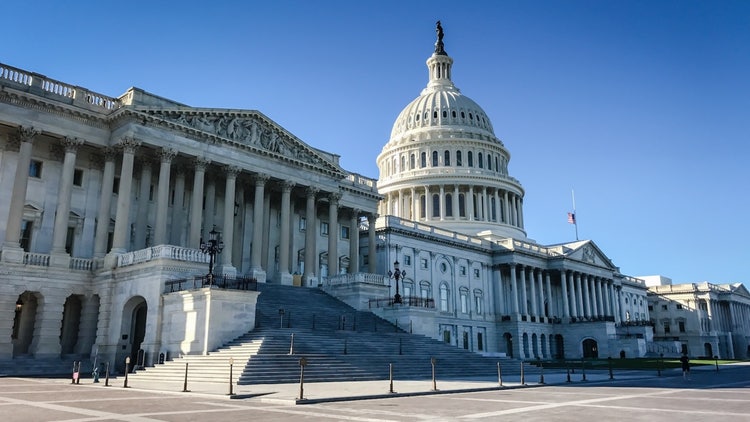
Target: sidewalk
x,y
321,392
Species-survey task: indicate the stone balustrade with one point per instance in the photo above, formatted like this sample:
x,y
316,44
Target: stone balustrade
x,y
36,259
393,221
366,278
177,253
81,264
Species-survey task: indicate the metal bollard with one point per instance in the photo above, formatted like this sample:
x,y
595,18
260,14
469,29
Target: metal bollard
x,y
433,360
184,385
302,364
658,364
609,362
106,376
716,362
499,374
390,377
523,377
127,369
583,369
231,383
568,375
291,346
541,374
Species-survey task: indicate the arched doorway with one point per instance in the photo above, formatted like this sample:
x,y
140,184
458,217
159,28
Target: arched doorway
x,y
559,347
590,348
543,340
534,347
133,330
24,322
70,325
708,350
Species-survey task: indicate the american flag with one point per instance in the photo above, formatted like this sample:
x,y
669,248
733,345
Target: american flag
x,y
571,218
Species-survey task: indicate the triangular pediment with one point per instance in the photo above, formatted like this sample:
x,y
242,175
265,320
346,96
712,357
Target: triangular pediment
x,y
587,251
249,128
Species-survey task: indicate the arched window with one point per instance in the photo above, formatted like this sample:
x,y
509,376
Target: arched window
x,y
458,158
434,158
422,212
479,160
461,205
489,162
423,159
447,159
470,159
463,295
444,297
448,205
497,167
435,205
412,160
478,300
425,290
403,164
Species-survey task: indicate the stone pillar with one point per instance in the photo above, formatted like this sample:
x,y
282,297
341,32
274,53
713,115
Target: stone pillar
x,y
372,254
121,239
59,257
105,201
564,287
209,217
548,284
520,212
47,328
310,235
12,251
442,202
524,296
485,205
506,208
427,204
579,293
258,200
286,201
599,299
178,208
400,207
534,297
470,203
196,203
162,198
586,295
333,231
500,298
623,316
592,296
456,211
514,286
87,326
227,268
141,219
354,242
414,215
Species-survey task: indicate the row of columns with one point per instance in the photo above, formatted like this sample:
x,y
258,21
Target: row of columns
x,y
583,295
509,206
121,235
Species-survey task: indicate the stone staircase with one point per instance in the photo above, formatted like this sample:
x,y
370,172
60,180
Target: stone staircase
x,y
338,342
44,367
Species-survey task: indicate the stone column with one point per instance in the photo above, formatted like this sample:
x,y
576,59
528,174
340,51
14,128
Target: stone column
x,y
227,268
372,245
620,297
354,242
564,287
47,328
87,326
333,231
12,251
310,235
500,298
506,209
257,249
470,203
121,239
141,219
59,257
427,204
514,286
178,208
162,198
286,207
548,284
209,217
485,205
196,203
520,212
524,296
442,202
413,215
600,302
456,211
586,295
534,297
400,207
105,201
579,292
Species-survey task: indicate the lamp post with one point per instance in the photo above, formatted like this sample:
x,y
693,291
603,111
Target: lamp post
x,y
396,274
213,247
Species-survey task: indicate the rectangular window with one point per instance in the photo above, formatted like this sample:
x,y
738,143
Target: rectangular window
x,y
344,232
69,240
666,327
650,307
462,270
663,307
464,304
423,160
478,304
302,224
78,177
681,324
323,228
678,306
476,272
35,169
424,263
25,240
480,343
116,186
407,260
151,196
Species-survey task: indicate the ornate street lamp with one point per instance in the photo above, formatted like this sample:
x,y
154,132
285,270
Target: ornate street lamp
x,y
396,274
213,247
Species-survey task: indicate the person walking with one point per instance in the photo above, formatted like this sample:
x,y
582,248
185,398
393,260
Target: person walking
x,y
685,361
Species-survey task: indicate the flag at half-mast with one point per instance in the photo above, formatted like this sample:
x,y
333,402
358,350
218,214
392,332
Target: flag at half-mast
x,y
571,218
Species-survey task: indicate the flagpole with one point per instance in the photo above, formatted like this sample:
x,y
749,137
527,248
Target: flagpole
x,y
575,220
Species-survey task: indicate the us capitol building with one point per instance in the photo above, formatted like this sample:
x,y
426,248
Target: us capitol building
x,y
105,202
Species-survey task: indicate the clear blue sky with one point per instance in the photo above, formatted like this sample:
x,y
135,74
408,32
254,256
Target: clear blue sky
x,y
642,107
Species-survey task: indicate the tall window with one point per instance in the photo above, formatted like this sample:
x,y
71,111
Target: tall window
x,y
458,158
470,159
324,228
448,205
444,298
436,205
70,235
489,162
422,206
447,159
461,205
423,160
403,164
35,168
479,160
25,240
412,159
434,158
464,299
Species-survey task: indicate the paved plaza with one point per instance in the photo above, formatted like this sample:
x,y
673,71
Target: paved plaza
x,y
722,395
